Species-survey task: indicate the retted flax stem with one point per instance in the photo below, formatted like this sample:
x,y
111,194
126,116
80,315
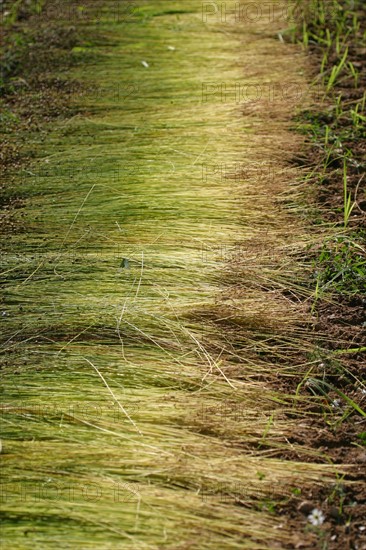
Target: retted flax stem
x,y
131,266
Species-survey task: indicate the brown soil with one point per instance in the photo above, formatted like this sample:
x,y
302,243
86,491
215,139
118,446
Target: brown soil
x,y
340,324
31,99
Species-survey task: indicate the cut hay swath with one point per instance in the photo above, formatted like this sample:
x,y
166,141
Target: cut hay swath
x,y
144,314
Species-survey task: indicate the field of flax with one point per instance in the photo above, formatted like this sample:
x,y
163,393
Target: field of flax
x,y
145,323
